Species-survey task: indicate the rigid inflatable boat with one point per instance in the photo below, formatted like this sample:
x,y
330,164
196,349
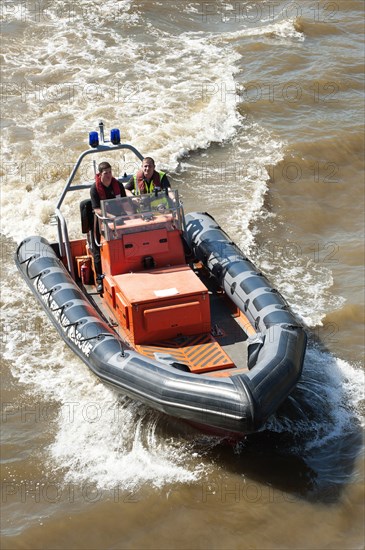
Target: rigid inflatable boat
x,y
185,323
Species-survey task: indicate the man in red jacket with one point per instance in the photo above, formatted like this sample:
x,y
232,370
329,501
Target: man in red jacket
x,y
105,187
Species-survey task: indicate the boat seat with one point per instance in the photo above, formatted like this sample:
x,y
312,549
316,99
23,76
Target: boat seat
x,y
87,216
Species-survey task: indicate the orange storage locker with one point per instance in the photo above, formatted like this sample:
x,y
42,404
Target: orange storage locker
x,y
164,303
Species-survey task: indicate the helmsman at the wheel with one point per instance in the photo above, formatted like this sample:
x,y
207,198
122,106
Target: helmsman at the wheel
x,y
148,179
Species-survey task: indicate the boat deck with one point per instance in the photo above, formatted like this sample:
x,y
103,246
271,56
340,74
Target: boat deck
x,y
219,354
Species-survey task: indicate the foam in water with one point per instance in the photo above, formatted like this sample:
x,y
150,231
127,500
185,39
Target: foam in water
x,y
114,442
282,30
165,122
99,437
327,399
192,104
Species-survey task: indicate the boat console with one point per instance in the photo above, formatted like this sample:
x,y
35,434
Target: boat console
x,y
141,232
147,284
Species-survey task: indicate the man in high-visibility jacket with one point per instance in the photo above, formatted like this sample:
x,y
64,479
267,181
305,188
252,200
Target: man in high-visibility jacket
x,y
147,180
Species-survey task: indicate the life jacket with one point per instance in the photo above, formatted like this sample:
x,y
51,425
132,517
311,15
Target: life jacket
x,y
102,190
141,185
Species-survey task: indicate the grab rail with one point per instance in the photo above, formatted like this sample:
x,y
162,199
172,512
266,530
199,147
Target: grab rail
x,y
63,238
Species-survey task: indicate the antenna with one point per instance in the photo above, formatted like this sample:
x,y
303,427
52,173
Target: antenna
x,y
101,130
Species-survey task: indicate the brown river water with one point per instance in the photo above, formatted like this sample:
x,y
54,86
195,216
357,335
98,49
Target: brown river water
x,y
256,111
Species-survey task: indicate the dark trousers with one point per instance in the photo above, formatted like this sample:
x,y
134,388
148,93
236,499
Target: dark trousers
x,y
95,233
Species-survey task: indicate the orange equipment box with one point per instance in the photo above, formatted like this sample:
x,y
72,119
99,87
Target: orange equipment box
x,y
162,303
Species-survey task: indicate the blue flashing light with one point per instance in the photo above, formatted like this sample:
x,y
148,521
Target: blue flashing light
x,y
93,139
115,136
